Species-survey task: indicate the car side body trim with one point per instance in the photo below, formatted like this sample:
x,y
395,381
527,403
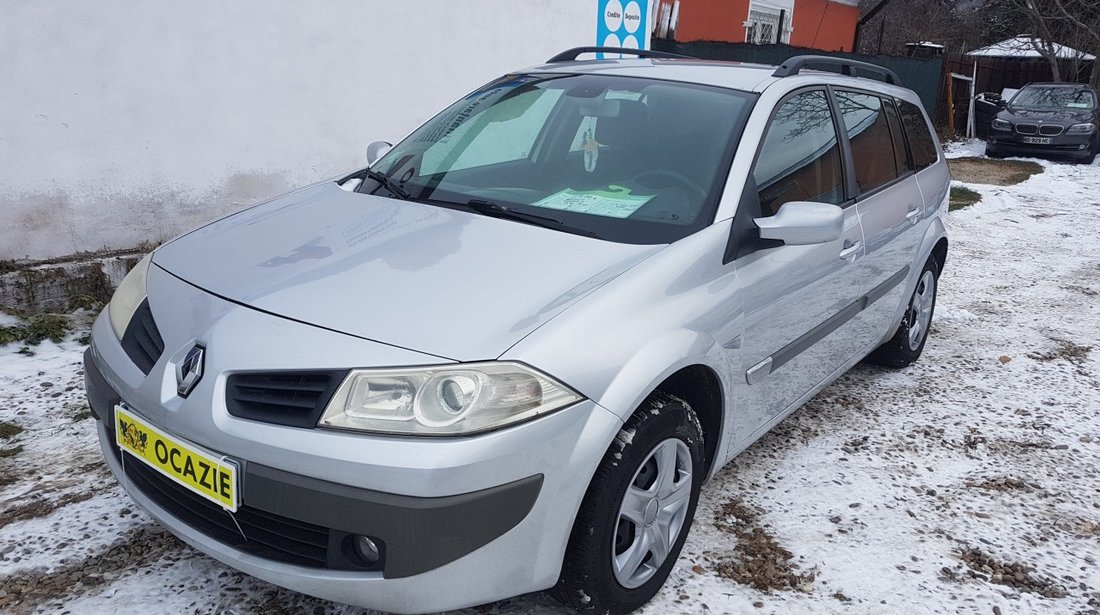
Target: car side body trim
x,y
758,372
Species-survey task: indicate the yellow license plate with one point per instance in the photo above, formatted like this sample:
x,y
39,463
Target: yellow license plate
x,y
212,477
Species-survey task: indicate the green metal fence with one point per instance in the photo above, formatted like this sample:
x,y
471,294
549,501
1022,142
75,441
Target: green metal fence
x,y
922,75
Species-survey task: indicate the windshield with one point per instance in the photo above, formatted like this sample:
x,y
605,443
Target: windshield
x,y
1054,98
619,158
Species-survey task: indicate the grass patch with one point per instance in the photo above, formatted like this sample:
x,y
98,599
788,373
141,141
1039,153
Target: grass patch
x,y
38,328
995,172
962,197
9,430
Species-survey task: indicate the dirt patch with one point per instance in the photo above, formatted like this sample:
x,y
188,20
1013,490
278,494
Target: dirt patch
x,y
760,562
962,197
1012,574
9,430
42,507
994,172
1064,349
25,592
1004,484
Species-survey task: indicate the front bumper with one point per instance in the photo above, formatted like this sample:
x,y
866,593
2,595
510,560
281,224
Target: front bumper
x,y
463,521
1073,146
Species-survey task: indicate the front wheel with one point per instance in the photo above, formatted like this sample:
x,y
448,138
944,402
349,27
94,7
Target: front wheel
x,y
636,515
905,347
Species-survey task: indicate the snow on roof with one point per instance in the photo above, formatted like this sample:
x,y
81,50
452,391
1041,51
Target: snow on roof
x,y
925,44
1021,47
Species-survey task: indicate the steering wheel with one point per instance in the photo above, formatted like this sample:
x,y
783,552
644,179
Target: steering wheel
x,y
679,179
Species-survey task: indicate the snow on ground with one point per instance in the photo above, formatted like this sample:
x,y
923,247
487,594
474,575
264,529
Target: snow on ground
x,y
967,483
963,148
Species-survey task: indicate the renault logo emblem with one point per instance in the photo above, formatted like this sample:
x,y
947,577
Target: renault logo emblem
x,y
189,371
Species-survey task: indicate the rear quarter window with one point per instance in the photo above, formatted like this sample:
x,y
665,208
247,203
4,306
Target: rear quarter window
x,y
921,143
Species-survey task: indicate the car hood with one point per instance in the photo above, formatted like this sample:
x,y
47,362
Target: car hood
x,y
439,281
1059,116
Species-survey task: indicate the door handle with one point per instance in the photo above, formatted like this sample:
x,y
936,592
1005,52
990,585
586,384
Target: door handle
x,y
913,215
850,248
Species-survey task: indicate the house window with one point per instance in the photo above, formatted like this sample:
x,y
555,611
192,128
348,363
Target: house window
x,y
763,25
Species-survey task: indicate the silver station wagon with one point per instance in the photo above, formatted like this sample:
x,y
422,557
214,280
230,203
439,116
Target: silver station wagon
x,y
506,357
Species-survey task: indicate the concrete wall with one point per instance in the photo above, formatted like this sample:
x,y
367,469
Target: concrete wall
x,y
123,122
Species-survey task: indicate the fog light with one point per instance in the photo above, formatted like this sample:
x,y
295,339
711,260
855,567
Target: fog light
x,y
1081,146
367,550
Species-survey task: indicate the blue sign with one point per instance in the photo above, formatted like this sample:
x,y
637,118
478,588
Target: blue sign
x,y
622,23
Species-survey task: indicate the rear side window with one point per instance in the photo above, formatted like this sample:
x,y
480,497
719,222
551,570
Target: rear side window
x,y
873,156
921,143
800,158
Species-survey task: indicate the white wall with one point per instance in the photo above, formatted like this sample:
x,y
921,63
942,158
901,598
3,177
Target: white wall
x,y
125,121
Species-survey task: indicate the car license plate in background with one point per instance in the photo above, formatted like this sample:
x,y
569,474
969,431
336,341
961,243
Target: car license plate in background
x,y
212,477
1037,140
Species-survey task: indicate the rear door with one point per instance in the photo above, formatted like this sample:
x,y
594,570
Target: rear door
x,y
797,299
890,205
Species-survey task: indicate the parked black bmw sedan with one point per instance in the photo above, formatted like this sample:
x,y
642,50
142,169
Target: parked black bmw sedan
x,y
1048,119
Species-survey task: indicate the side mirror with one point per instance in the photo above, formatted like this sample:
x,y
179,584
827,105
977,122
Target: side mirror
x,y
376,150
800,223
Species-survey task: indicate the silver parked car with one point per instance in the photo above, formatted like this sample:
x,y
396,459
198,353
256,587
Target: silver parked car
x,y
506,357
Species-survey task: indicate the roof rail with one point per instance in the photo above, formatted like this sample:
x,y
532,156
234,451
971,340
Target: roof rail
x,y
847,67
572,54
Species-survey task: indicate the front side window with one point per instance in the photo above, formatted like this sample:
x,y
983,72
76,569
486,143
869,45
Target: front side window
x,y
800,157
873,153
618,158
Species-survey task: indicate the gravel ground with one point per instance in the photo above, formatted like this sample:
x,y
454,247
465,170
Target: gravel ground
x,y
967,483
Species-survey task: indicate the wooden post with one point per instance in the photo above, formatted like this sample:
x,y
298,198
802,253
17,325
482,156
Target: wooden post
x,y
950,104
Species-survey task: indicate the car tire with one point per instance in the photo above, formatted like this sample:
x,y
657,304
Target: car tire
x,y
992,152
906,346
611,563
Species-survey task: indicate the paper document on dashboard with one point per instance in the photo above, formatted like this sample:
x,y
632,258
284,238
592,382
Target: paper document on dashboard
x,y
615,202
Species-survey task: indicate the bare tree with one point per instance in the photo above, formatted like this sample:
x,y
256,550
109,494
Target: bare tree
x,y
1085,18
1052,21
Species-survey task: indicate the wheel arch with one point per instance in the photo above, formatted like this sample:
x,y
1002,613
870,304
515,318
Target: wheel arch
x,y
700,387
679,363
939,252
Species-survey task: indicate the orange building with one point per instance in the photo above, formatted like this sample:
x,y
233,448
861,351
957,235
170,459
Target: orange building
x,y
828,25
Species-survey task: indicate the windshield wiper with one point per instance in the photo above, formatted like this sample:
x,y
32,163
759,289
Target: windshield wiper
x,y
496,210
389,184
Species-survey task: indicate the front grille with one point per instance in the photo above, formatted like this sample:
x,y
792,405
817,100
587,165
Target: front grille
x,y
269,535
1051,130
295,399
142,341
1027,129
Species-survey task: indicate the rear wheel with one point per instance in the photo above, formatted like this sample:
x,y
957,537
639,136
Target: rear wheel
x,y
905,347
637,512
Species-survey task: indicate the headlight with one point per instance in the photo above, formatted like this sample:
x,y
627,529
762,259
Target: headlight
x,y
446,400
1082,128
128,296
999,124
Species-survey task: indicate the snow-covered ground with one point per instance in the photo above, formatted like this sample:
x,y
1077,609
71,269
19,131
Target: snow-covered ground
x,y
967,483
